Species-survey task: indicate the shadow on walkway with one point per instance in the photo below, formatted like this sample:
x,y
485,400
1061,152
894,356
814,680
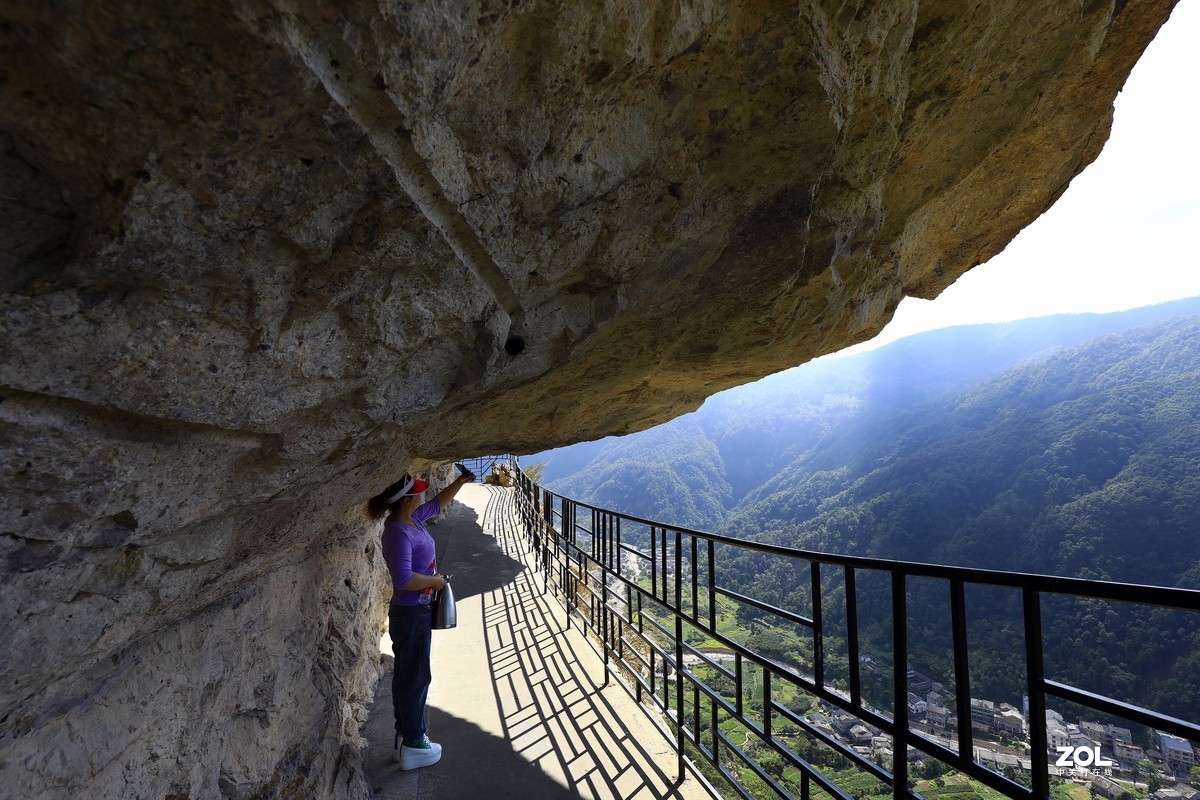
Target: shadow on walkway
x,y
519,701
468,553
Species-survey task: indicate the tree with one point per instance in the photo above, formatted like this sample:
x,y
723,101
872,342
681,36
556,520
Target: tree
x,y
535,472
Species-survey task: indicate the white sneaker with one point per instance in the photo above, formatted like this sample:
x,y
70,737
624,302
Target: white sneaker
x,y
423,755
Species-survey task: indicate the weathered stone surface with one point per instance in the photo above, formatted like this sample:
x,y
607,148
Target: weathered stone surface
x,y
257,257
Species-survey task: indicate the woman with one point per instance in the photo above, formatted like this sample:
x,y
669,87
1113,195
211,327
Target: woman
x,y
409,552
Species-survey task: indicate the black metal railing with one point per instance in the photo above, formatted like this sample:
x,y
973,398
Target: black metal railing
x,y
647,592
482,466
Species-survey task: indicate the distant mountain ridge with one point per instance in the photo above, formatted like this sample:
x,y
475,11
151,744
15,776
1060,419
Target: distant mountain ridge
x,y
739,439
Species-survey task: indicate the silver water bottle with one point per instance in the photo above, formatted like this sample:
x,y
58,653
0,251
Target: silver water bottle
x,y
445,615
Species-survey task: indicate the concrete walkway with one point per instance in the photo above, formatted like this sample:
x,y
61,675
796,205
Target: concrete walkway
x,y
517,701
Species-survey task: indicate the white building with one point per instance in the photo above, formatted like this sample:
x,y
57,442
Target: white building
x,y
1057,734
1177,753
1010,721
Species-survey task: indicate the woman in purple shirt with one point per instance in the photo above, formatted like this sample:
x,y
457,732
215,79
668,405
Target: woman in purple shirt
x,y
409,552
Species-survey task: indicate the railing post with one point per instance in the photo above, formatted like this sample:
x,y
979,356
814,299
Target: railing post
x,y
1035,670
695,580
654,562
962,670
599,537
852,636
818,626
617,549
766,702
662,547
680,738
566,557
605,622
636,621
738,678
679,715
900,734
712,586
715,723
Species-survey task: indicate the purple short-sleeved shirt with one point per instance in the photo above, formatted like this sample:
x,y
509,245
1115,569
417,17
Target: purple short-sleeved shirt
x,y
409,550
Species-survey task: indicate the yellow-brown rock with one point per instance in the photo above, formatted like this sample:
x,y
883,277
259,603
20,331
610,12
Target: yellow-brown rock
x,y
259,256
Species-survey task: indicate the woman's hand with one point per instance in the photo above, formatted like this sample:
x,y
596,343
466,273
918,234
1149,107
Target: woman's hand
x,y
418,582
446,495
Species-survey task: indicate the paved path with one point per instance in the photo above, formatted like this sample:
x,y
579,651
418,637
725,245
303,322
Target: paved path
x,y
518,701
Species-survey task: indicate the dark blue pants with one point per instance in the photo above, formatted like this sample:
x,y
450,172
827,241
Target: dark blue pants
x,y
410,628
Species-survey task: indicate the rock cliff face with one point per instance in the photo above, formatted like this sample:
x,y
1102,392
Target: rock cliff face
x,y
260,256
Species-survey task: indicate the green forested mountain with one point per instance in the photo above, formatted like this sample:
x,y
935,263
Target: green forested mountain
x,y
734,447
673,471
1067,465
1039,447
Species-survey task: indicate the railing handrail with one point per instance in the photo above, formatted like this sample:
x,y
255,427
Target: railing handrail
x,y
1148,594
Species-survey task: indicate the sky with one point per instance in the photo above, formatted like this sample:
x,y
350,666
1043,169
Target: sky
x,y
1124,234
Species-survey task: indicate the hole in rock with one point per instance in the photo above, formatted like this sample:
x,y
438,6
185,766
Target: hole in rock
x,y
514,345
